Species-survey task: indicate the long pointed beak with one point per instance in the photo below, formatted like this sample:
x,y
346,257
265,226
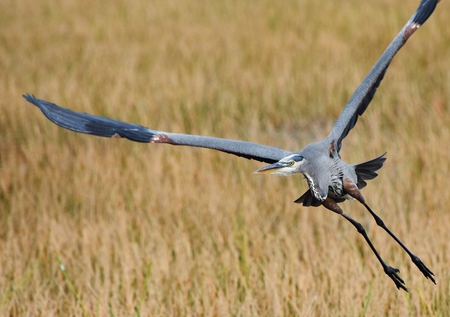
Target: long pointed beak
x,y
269,169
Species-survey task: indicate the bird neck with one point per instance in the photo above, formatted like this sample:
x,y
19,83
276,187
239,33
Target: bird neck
x,y
314,188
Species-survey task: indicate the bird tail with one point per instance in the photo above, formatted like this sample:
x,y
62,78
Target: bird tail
x,y
367,170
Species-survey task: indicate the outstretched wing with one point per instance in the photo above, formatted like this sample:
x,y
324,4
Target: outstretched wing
x,y
366,90
101,126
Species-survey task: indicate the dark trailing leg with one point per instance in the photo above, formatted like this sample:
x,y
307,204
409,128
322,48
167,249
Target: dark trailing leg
x,y
389,270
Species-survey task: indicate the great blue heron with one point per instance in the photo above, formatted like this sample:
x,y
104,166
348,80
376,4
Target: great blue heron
x,y
330,179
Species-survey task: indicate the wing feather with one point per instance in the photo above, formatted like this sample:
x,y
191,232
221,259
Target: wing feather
x,y
105,127
363,95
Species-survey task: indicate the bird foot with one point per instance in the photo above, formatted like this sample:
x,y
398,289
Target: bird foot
x,y
426,271
392,273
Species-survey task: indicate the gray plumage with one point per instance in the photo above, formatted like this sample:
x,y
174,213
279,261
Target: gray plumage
x,y
330,179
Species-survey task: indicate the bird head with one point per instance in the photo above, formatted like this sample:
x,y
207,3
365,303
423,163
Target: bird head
x,y
286,166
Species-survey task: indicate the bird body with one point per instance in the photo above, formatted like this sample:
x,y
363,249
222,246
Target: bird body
x,y
327,173
329,178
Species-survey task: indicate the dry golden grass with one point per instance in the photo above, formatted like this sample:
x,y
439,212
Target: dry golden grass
x,y
154,230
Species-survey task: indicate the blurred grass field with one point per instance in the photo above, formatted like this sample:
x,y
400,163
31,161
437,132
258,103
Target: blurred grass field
x,y
155,230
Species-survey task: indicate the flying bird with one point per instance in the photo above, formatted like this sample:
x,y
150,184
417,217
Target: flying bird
x,y
330,179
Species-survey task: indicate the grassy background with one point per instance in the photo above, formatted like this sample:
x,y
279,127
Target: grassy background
x,y
154,230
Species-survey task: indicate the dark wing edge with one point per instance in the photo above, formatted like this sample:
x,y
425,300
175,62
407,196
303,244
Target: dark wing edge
x,y
363,95
105,127
367,170
308,200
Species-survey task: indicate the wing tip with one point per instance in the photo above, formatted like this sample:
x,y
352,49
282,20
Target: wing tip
x,y
30,98
424,11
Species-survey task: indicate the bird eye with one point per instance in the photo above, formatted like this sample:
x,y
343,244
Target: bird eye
x,y
291,162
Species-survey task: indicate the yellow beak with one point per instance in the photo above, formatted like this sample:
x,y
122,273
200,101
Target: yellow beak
x,y
269,169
